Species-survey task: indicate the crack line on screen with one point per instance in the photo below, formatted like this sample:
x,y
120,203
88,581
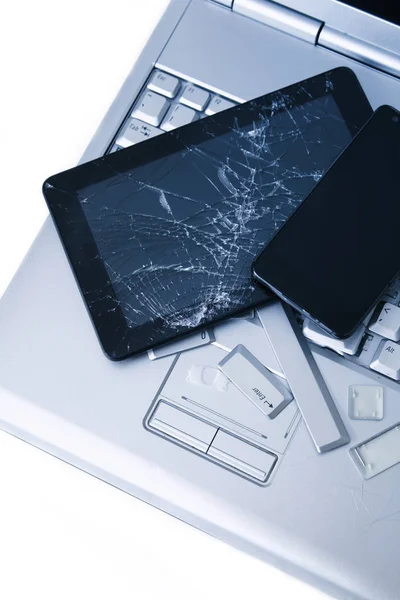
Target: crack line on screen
x,y
178,235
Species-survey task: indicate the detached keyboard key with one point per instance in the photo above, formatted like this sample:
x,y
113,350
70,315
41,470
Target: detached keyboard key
x,y
178,116
387,360
136,131
311,393
194,97
164,84
387,322
151,108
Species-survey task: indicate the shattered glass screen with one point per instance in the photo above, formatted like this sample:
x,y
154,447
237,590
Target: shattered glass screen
x,y
179,234
178,224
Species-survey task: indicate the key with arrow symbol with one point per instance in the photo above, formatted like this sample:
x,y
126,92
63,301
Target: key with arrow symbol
x,y
267,391
387,322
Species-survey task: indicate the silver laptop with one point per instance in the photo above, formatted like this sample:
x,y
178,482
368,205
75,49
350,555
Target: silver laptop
x,y
168,427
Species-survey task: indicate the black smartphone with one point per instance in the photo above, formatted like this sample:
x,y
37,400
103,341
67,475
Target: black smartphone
x,y
337,253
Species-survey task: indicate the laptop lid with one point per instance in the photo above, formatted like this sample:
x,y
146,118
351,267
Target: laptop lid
x,y
384,9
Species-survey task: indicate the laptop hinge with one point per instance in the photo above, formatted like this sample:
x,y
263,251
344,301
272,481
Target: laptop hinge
x,y
227,3
360,50
280,17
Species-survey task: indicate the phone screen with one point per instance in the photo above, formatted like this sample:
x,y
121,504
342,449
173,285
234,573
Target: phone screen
x,y
339,250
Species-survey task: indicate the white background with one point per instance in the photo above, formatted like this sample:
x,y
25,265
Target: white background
x,y
64,534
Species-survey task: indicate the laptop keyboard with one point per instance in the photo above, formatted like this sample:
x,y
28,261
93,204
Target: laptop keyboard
x,y
168,102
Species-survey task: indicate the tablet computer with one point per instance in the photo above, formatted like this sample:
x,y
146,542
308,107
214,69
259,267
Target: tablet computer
x,y
161,236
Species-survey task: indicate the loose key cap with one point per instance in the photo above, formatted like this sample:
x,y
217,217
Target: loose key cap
x,y
260,386
316,405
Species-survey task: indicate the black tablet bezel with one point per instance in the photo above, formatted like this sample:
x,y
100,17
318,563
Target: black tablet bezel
x,y
118,339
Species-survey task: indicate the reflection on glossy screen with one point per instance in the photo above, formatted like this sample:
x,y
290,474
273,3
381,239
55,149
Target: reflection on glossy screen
x,y
189,225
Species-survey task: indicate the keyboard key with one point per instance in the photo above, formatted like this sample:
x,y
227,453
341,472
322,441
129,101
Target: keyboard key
x,y
164,84
387,323
178,116
151,108
313,398
136,131
316,334
218,104
231,332
261,387
194,97
365,402
387,360
377,454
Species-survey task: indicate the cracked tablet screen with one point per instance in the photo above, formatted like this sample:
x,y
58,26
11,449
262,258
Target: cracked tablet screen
x,y
179,234
177,221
